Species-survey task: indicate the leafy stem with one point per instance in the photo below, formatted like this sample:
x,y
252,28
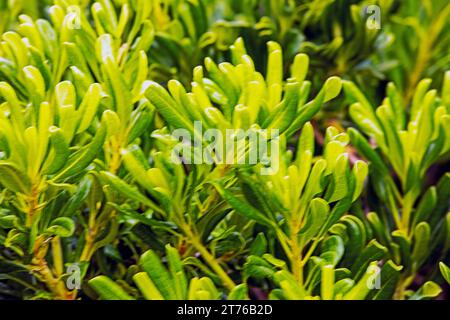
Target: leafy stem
x,y
33,206
53,281
427,41
209,258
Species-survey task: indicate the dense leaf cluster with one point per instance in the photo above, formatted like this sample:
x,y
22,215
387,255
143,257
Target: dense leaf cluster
x,y
93,206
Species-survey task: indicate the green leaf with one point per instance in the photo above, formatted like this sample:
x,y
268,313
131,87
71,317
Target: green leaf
x,y
306,113
343,286
419,94
83,158
108,289
396,103
16,111
89,106
339,188
290,286
63,227
282,117
361,289
13,179
36,83
373,252
167,107
425,206
258,268
445,271
427,291
389,276
274,76
274,261
422,234
177,272
360,171
65,94
147,287
140,123
121,93
332,88
77,200
8,222
443,194
242,207
355,95
299,67
239,293
259,245
365,120
306,141
316,217
314,185
151,264
380,233
127,190
433,150
59,153
392,137
209,221
404,244
332,250
366,150
327,283
113,123
18,46
147,179
355,232
202,289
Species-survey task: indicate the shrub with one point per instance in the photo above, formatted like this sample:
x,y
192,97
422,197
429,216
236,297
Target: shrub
x,y
116,182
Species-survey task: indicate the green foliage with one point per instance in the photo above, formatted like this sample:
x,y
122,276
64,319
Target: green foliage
x,y
409,140
350,202
417,23
157,283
